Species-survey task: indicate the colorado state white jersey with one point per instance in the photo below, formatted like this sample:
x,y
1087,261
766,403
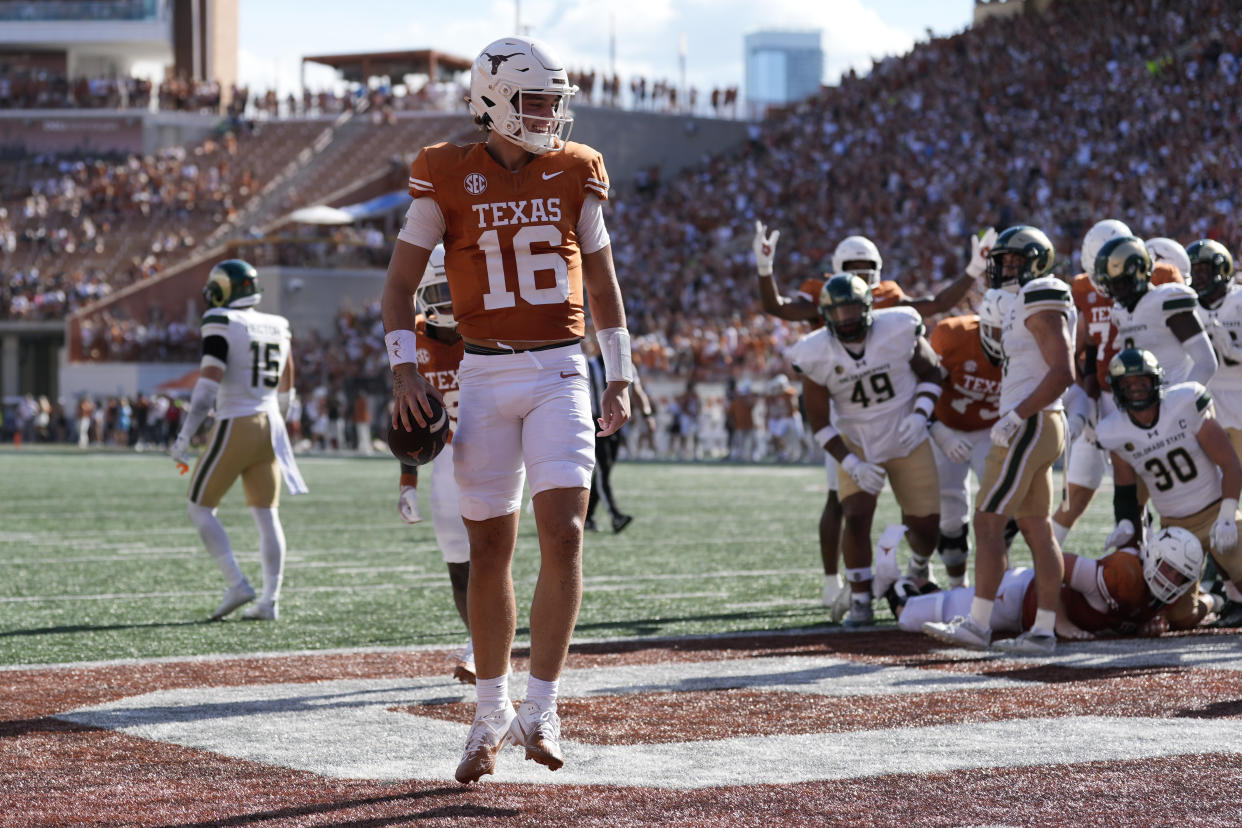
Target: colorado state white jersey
x,y
1147,327
1024,364
870,394
258,350
1180,476
1226,383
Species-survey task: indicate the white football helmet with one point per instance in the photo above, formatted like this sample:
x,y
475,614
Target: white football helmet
x,y
510,68
858,249
432,299
1163,249
992,321
1099,233
1172,562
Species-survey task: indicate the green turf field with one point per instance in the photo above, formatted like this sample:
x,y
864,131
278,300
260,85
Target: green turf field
x,y
99,561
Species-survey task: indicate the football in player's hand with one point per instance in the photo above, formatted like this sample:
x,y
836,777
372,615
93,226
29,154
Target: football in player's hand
x,y
423,443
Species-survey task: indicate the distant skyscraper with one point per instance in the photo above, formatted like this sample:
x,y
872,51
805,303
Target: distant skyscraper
x,y
782,67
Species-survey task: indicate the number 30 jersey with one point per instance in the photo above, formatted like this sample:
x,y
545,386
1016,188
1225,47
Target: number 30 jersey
x,y
511,248
870,393
1180,476
257,348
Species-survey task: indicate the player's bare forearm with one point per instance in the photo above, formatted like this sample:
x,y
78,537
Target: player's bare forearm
x,y
603,293
782,307
946,299
405,271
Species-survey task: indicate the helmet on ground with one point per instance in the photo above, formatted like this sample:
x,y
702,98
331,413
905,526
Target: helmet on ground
x,y
1099,233
1211,266
1167,250
1135,362
1172,563
1031,245
1122,270
862,253
837,300
432,299
232,284
514,68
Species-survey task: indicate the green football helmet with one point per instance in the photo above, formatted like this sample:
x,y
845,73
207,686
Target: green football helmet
x,y
232,284
1211,267
843,291
1135,362
1122,270
1028,242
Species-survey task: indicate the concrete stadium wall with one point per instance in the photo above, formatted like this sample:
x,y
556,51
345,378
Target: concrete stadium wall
x,y
633,141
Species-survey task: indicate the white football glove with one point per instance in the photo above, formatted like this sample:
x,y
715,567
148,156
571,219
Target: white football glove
x,y
1006,427
407,505
1121,535
912,431
980,246
1224,534
868,476
765,248
955,447
179,451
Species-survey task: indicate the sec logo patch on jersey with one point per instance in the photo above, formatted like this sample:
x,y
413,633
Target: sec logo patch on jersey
x,y
475,183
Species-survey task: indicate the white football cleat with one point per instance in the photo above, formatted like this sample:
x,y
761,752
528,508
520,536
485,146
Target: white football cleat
x,y
962,631
487,736
832,588
234,597
840,605
860,615
262,611
407,505
539,731
1031,642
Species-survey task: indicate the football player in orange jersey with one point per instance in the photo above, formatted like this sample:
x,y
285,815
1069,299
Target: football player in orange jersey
x,y
1096,343
1128,591
521,218
970,353
439,353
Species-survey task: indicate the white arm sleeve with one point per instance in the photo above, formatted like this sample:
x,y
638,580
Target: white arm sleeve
x,y
202,398
1199,348
592,234
424,224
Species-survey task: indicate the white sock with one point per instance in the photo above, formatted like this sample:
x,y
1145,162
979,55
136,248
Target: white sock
x,y
271,550
956,581
493,695
540,693
216,540
1045,621
981,611
1060,532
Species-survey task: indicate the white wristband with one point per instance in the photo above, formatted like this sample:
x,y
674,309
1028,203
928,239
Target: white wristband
x,y
401,347
614,346
1228,509
825,435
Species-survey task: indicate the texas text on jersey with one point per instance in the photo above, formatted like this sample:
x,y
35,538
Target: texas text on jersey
x,y
533,212
971,398
439,363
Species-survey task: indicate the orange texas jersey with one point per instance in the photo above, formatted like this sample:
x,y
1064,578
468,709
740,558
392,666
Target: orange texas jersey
x,y
438,363
1097,310
970,400
1119,577
510,242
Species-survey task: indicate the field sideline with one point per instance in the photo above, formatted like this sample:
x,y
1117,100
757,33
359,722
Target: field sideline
x,y
100,561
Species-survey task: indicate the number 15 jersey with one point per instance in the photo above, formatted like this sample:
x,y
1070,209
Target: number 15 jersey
x,y
511,248
255,350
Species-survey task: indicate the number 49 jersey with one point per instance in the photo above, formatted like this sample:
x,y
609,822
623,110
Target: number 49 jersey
x,y
510,239
870,393
1180,476
258,348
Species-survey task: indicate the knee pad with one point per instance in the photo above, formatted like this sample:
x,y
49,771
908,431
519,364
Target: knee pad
x,y
954,548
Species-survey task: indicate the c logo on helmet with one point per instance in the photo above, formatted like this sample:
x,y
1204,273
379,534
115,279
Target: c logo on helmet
x,y
475,183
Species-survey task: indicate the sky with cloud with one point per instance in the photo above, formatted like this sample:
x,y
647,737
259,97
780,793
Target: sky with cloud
x,y
648,33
